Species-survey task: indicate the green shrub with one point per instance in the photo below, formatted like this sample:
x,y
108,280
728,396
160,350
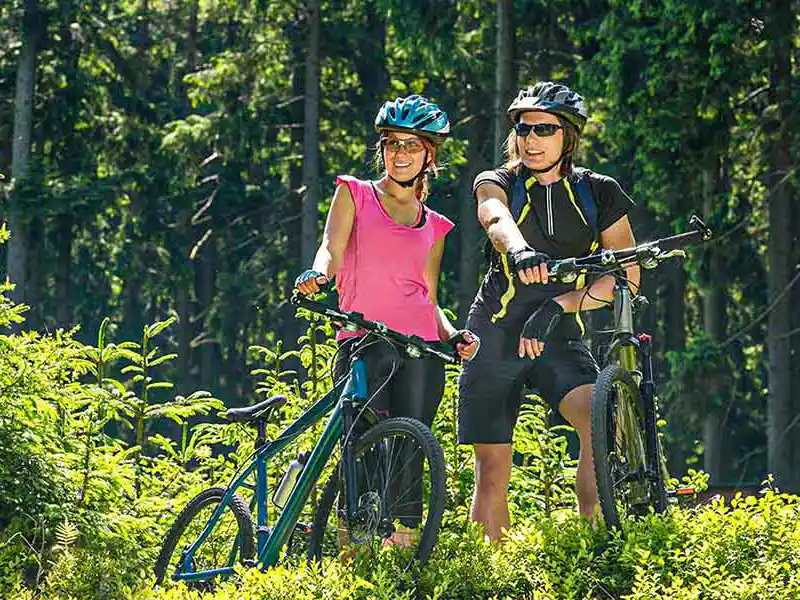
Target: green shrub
x,y
83,507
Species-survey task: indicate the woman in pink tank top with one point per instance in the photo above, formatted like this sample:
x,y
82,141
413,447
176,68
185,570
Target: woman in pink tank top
x,y
384,247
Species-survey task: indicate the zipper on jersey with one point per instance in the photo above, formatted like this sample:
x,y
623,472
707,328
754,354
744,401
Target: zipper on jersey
x,y
550,221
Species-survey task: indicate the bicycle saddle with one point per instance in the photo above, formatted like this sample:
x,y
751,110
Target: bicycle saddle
x,y
256,412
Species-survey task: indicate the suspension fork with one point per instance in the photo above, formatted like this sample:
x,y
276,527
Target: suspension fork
x,y
647,387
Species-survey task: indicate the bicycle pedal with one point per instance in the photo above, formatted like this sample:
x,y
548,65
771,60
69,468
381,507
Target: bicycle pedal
x,y
303,528
681,491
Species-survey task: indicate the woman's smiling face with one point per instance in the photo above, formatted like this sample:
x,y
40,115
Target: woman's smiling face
x,y
539,152
404,154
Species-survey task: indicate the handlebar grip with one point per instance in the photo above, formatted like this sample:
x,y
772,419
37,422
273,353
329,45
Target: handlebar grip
x,y
701,233
678,242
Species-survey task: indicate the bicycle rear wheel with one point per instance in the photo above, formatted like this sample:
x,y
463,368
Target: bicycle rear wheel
x,y
231,539
626,484
400,478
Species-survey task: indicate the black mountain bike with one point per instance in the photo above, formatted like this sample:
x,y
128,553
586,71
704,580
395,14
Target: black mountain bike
x,y
628,458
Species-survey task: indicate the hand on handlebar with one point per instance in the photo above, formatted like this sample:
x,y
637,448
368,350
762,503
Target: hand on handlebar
x,y
311,282
465,343
529,265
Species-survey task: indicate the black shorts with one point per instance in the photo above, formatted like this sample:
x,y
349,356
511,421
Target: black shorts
x,y
415,390
492,385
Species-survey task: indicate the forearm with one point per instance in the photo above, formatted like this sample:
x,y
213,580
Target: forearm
x,y
444,327
504,234
325,261
496,220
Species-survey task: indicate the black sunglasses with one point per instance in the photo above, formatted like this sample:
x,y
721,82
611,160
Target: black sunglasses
x,y
540,129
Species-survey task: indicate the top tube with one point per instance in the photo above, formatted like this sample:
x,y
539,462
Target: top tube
x,y
648,255
414,345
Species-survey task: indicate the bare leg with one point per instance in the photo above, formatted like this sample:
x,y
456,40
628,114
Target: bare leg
x,y
490,501
576,407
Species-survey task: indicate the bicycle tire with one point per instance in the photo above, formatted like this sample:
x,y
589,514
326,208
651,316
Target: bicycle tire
x,y
210,497
333,489
619,449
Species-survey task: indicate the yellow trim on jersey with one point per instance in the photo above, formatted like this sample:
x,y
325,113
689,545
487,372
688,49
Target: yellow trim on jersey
x,y
579,284
595,243
506,298
527,208
572,199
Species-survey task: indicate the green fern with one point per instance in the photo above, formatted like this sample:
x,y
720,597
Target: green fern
x,y
66,536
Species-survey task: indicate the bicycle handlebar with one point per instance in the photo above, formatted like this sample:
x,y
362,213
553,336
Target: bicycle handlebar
x,y
414,345
648,255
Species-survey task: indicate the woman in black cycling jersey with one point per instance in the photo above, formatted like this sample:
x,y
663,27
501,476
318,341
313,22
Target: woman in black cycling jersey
x,y
535,207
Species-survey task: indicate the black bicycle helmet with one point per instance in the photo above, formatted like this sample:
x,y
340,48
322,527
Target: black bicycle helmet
x,y
553,98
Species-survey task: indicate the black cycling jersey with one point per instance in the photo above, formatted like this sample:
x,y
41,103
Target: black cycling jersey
x,y
553,222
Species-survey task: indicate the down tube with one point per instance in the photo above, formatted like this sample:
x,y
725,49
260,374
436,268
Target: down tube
x,y
306,420
286,522
356,388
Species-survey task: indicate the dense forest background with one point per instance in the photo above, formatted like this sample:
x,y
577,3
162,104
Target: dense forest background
x,y
176,158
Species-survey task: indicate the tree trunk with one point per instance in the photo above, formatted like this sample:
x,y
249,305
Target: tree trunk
x,y
34,272
64,236
21,147
311,138
371,64
206,286
780,413
714,322
504,74
675,306
471,246
185,230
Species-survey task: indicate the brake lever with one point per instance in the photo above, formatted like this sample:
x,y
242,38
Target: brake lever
x,y
700,226
562,270
677,253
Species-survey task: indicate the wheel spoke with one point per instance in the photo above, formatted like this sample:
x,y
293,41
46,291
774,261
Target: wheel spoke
x,y
395,480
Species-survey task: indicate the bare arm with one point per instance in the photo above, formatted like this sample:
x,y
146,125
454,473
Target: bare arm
x,y
496,219
502,230
337,232
599,294
443,326
334,241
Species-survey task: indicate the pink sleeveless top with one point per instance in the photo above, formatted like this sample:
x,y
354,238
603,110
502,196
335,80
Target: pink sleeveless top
x,y
383,270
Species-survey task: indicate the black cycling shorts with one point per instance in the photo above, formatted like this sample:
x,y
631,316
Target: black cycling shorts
x,y
492,385
415,390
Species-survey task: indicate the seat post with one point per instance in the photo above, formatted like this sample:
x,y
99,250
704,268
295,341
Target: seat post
x,y
261,437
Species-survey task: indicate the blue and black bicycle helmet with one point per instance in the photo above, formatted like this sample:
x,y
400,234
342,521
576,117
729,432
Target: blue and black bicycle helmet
x,y
554,98
416,115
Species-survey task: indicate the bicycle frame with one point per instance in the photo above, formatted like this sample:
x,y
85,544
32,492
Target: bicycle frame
x,y
629,347
270,542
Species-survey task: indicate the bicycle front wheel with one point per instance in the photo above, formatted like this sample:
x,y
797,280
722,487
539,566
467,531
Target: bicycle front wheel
x,y
400,482
230,541
626,484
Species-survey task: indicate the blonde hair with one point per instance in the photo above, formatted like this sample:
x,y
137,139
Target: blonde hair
x,y
422,184
571,140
